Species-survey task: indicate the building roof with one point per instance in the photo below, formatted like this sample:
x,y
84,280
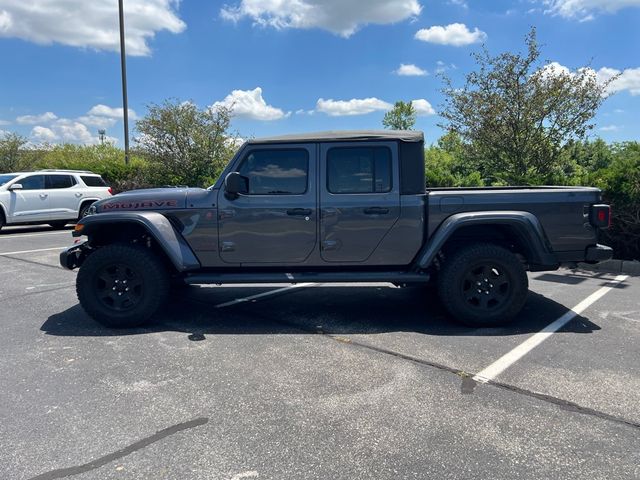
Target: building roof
x,y
346,135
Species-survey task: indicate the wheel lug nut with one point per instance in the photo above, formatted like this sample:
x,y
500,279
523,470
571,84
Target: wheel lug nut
x,y
126,289
113,288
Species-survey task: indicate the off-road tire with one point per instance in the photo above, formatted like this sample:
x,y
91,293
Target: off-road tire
x,y
134,272
483,285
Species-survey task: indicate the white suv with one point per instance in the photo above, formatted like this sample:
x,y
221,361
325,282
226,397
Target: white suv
x,y
56,197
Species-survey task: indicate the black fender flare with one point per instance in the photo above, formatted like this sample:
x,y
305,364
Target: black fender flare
x,y
524,224
155,224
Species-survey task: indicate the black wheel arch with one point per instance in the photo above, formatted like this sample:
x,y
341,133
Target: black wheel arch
x,y
520,232
150,229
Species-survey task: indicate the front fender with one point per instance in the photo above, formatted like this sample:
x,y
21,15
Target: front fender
x,y
155,224
525,224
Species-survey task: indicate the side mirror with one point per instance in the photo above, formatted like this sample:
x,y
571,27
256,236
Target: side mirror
x,y
235,184
15,186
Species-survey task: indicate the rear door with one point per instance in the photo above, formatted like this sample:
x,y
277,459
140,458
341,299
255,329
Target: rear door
x,y
359,198
31,204
65,196
276,222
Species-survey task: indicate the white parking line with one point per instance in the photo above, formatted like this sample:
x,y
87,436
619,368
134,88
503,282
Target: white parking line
x,y
504,362
264,294
24,235
32,251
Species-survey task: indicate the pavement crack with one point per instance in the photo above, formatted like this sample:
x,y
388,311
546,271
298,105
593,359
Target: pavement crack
x,y
468,384
140,444
32,262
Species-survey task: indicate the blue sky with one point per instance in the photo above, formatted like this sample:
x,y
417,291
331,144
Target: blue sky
x,y
291,65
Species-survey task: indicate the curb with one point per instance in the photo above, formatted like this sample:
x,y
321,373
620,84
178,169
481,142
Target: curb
x,y
628,267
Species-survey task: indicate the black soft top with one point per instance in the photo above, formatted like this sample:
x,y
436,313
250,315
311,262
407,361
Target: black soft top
x,y
344,136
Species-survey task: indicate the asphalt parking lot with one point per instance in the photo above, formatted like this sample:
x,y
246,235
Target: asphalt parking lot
x,y
306,382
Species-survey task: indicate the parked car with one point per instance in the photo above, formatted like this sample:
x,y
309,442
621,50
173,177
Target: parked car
x,y
56,197
333,207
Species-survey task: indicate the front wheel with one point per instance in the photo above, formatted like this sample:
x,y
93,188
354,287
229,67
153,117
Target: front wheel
x,y
483,285
121,285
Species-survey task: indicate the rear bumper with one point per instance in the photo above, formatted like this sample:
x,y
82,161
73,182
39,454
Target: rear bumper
x,y
74,256
598,253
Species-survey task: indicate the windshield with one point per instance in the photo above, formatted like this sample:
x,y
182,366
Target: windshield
x,y
6,178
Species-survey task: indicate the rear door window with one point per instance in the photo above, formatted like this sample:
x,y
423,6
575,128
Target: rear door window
x,y
60,181
359,170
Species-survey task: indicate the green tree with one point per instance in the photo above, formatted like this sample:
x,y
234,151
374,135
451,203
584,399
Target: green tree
x,y
401,117
515,113
11,152
185,144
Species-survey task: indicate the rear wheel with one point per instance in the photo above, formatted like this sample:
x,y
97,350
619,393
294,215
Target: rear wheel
x,y
2,220
83,210
121,285
483,285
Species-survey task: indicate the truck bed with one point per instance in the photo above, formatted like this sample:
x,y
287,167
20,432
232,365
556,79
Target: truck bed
x,y
562,211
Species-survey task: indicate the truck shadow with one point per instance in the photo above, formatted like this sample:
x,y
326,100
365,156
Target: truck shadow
x,y
329,310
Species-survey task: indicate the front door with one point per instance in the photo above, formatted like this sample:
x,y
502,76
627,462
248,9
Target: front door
x,y
31,203
275,222
359,199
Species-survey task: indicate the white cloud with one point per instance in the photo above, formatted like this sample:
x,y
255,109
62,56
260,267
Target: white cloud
x,y
355,106
342,17
4,122
411,70
609,128
33,119
73,131
89,24
65,130
250,104
97,121
584,10
628,80
110,112
422,107
43,134
456,34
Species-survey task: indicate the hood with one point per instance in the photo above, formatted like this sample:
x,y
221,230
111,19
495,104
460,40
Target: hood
x,y
147,199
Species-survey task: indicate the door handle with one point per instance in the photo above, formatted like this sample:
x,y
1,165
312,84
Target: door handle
x,y
44,195
78,194
302,212
376,211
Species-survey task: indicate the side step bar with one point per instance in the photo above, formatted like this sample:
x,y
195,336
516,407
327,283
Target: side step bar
x,y
220,278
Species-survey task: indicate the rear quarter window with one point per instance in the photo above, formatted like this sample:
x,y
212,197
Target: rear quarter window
x,y
93,181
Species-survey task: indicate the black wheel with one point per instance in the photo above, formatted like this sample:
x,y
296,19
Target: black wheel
x,y
122,285
483,285
83,211
2,220
59,224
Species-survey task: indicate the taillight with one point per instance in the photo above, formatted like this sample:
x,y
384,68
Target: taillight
x,y
110,190
600,216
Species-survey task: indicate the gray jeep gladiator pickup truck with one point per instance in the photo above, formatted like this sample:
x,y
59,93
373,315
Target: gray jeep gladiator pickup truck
x,y
332,207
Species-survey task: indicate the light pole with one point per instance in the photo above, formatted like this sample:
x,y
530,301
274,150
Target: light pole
x,y
125,103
